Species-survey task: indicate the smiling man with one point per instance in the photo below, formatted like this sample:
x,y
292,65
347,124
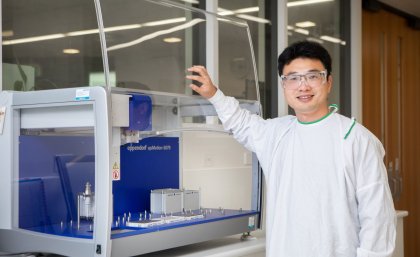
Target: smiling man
x,y
327,190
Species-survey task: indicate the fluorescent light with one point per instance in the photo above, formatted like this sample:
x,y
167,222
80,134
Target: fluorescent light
x,y
123,27
314,39
224,12
331,39
253,18
155,34
172,40
7,33
247,10
305,2
71,51
82,32
191,1
343,43
109,29
302,31
33,39
290,27
305,24
89,31
164,22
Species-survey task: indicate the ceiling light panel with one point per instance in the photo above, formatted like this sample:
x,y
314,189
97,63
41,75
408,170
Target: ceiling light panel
x,y
71,51
331,39
302,31
306,2
7,33
305,24
252,18
172,40
224,12
247,10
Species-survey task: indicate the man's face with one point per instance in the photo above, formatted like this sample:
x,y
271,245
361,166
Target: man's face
x,y
310,101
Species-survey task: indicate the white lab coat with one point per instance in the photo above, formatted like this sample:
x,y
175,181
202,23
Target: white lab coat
x,y
326,196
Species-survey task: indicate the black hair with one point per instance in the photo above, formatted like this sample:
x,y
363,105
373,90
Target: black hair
x,y
304,49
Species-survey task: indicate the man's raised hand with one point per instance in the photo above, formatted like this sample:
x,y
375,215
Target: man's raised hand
x,y
207,88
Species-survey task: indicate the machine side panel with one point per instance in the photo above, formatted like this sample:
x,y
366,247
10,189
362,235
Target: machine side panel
x,y
23,241
6,160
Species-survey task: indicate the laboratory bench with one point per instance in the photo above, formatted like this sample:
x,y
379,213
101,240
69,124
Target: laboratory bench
x,y
233,246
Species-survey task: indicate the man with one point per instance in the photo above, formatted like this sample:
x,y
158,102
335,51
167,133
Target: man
x,y
327,190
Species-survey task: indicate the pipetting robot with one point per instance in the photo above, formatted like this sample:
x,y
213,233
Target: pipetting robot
x,y
110,153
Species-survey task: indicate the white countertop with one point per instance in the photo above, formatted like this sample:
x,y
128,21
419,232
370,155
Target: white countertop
x,y
224,247
401,214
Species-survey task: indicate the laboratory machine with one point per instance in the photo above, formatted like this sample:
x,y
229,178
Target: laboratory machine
x,y
104,148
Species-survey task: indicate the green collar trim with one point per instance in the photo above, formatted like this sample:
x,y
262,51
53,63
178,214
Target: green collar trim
x,y
315,121
350,129
332,106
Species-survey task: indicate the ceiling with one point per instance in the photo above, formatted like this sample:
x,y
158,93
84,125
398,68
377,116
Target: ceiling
x,y
408,6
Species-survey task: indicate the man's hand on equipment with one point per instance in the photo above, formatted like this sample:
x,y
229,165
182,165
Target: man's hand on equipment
x,y
207,88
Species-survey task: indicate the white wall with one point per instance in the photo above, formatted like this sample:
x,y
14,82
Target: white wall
x,y
220,167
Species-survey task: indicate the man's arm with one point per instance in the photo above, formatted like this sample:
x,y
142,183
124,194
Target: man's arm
x,y
235,119
375,206
248,129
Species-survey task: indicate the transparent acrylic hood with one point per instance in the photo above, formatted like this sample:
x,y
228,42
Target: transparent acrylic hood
x,y
151,47
136,45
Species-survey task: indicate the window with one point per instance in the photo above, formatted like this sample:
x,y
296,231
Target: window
x,y
326,22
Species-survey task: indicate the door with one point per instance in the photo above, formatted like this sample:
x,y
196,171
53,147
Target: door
x,y
391,83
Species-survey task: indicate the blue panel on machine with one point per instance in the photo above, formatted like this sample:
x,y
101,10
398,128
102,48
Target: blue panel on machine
x,y
44,198
150,164
140,113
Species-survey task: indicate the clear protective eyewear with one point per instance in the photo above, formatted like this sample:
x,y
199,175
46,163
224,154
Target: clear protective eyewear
x,y
313,79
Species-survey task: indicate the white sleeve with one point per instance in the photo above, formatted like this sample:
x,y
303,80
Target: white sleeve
x,y
252,131
375,206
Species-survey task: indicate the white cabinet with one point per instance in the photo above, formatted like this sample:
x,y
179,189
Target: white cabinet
x,y
399,244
